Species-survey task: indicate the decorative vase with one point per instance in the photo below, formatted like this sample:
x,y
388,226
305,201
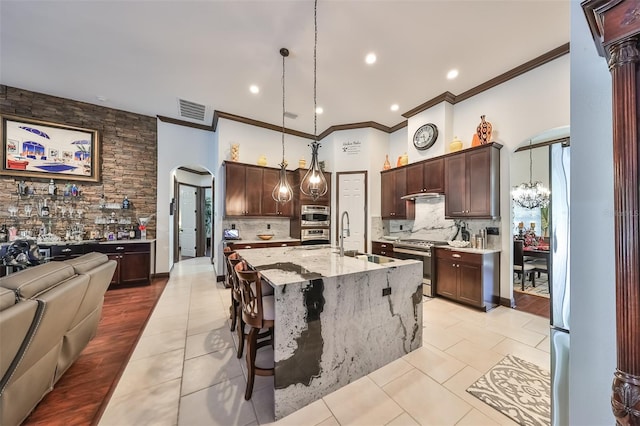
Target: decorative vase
x,y
302,163
456,144
262,161
484,131
404,159
476,140
235,152
386,165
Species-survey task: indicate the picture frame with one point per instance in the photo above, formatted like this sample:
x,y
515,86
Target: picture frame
x,y
39,149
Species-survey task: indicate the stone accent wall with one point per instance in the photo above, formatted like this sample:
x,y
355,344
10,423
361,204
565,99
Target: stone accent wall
x,y
128,163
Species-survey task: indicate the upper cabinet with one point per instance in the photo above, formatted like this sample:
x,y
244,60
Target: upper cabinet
x,y
393,186
426,177
248,191
472,183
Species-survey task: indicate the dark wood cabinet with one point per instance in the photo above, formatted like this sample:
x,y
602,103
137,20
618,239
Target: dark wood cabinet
x,y
472,183
133,261
393,184
248,190
66,251
470,278
426,177
382,248
242,246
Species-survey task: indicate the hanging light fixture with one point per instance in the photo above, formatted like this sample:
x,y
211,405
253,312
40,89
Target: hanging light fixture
x,y
530,195
282,192
314,183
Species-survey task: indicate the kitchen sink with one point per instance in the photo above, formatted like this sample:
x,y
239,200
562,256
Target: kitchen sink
x,y
373,258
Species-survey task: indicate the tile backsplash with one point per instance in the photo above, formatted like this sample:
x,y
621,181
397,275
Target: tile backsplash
x,y
250,228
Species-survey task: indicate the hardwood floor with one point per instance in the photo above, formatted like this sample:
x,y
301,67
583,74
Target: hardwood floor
x,y
80,397
532,304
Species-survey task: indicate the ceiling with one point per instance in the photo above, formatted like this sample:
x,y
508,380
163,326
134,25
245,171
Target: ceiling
x,y
142,56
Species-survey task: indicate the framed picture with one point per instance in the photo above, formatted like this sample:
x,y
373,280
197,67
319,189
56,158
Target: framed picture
x,y
39,149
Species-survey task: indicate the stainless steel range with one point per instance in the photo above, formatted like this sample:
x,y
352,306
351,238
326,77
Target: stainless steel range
x,y
420,250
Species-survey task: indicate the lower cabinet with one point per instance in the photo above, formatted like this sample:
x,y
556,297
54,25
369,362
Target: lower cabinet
x,y
470,278
134,262
382,249
241,246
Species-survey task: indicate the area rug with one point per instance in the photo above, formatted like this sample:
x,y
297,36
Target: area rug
x,y
518,389
541,289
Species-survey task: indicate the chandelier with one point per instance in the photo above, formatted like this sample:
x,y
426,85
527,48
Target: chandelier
x,y
313,183
282,192
530,195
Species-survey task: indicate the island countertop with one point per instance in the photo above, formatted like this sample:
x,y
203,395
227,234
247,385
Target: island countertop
x,y
287,265
337,318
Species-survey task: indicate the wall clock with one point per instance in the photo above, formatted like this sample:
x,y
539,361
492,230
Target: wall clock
x,y
425,136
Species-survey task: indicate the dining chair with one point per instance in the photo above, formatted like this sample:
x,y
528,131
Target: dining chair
x,y
521,267
258,312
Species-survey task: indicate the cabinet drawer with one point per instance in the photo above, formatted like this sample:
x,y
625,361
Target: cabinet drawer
x,y
384,249
66,251
458,256
121,248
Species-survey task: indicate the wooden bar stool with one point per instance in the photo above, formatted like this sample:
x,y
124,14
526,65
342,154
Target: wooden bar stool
x,y
232,260
258,312
228,252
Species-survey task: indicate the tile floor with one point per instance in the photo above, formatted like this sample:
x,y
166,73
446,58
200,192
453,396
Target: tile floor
x,y
184,370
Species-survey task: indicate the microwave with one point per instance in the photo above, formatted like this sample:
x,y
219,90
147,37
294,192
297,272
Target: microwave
x,y
311,215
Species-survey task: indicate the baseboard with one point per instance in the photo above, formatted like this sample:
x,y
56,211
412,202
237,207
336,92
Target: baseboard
x,y
509,303
160,275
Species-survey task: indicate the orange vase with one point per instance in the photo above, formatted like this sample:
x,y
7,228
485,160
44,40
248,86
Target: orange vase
x,y
476,140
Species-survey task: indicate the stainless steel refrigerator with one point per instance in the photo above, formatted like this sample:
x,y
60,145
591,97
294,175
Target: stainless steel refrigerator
x,y
559,280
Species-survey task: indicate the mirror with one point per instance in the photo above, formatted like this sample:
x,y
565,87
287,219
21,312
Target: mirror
x,y
543,230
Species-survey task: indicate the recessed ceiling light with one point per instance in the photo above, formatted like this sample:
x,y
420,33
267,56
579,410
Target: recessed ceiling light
x,y
370,58
394,107
254,89
319,110
452,74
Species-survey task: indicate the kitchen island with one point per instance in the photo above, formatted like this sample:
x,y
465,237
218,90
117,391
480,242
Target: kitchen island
x,y
336,318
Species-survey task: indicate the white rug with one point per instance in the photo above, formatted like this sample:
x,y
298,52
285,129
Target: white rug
x,y
518,389
541,289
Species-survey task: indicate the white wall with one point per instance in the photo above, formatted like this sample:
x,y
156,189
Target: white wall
x,y
177,146
593,330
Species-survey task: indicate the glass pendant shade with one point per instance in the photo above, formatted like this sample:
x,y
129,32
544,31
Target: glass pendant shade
x,y
282,192
314,184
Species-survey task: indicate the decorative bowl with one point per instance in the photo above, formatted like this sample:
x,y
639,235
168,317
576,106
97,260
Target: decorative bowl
x,y
265,236
458,244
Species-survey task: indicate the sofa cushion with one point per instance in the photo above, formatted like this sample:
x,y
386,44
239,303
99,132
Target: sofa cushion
x,y
7,298
30,282
87,262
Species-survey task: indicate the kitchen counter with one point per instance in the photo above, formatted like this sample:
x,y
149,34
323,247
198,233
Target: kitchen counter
x,y
471,249
333,325
258,240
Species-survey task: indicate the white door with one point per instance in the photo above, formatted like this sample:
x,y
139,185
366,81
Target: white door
x,y
188,220
352,198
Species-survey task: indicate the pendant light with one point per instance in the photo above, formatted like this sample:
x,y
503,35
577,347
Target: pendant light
x,y
282,192
314,184
530,195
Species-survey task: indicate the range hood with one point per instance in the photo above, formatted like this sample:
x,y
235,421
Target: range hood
x,y
420,195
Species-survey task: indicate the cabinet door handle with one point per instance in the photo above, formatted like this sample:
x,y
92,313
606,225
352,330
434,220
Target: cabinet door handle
x,y
119,248
456,255
67,250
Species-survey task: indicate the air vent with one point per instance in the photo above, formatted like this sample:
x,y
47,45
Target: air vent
x,y
191,110
290,115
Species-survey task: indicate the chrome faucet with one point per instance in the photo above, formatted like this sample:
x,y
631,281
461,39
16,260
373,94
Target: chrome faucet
x,y
344,213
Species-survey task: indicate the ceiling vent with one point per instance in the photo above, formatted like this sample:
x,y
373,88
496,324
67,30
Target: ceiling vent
x,y
290,115
191,110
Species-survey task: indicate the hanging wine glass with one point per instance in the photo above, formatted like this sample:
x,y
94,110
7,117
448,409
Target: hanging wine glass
x,y
28,208
13,209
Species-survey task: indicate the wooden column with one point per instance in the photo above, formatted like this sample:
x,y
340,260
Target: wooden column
x,y
615,25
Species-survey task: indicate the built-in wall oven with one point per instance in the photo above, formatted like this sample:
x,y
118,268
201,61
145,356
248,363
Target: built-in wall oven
x,y
420,250
314,216
309,236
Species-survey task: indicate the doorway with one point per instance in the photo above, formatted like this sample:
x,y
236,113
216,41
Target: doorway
x,y
187,221
352,198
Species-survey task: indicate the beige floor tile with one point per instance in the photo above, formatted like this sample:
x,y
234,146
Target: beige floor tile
x,y
403,419
163,324
438,336
539,325
264,358
313,414
459,384
425,400
222,404
206,322
441,304
525,352
545,345
391,371
263,405
476,418
207,370
520,334
362,403
159,343
436,317
210,341
476,334
432,361
475,355
331,421
507,317
149,372
157,406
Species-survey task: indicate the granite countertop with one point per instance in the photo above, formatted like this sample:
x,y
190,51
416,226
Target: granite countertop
x,y
69,243
257,240
287,265
471,249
